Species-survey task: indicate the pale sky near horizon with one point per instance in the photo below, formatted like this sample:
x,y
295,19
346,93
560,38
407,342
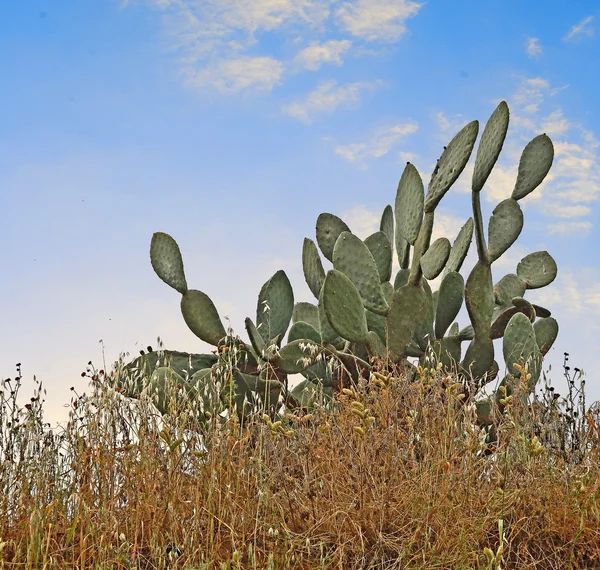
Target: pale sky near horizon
x,y
232,124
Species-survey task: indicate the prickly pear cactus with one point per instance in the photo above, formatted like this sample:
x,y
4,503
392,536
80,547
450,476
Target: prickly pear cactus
x,y
363,312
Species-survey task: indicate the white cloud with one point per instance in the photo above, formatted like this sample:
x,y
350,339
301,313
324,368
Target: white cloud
x,y
534,49
204,36
316,54
232,75
378,144
570,227
376,20
561,210
326,98
529,95
582,28
361,221
555,123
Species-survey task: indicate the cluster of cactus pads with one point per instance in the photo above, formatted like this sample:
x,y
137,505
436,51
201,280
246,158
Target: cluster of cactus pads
x,y
362,312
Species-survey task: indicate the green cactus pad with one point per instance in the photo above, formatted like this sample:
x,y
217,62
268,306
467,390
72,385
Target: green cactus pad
x,y
435,258
509,287
479,358
504,228
546,331
408,311
402,251
410,198
344,307
490,145
134,376
503,314
535,163
520,347
451,164
479,298
467,333
329,227
309,394
312,267
448,351
376,323
541,312
301,329
537,269
256,340
353,258
461,246
375,345
401,278
167,262
297,356
381,249
450,300
387,224
275,306
162,384
327,332
308,313
388,291
424,332
201,316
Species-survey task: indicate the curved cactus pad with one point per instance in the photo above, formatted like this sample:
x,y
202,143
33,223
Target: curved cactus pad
x,y
490,145
546,331
381,249
329,227
297,356
461,246
479,298
479,358
387,224
201,316
275,307
450,300
167,262
353,258
312,267
401,278
504,228
306,312
502,315
509,287
541,312
408,311
410,199
256,340
535,163
327,332
537,269
435,258
301,329
520,347
451,164
344,307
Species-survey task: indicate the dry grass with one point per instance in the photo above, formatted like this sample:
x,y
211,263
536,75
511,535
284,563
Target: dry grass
x,y
396,475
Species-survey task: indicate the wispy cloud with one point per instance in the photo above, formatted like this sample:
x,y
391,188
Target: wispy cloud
x,y
376,20
232,75
534,49
326,98
206,36
378,144
582,28
316,54
570,227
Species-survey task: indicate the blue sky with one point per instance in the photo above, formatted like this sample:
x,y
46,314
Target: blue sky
x,y
232,124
